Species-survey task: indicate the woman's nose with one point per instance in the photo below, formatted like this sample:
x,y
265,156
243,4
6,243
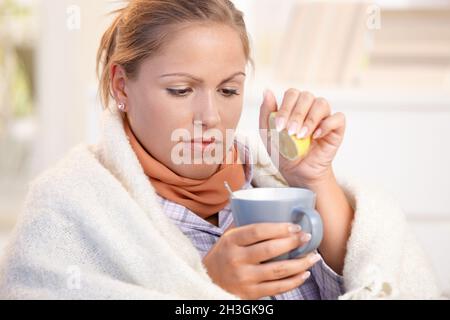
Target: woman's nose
x,y
207,112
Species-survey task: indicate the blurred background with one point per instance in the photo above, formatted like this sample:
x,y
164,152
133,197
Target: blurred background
x,y
385,64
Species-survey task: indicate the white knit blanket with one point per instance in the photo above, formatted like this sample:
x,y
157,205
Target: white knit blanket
x,y
91,228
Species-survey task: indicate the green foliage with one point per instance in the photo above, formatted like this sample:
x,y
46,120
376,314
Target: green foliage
x,y
19,99
13,8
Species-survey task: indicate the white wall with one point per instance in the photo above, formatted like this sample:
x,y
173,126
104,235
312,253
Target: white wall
x,y
66,80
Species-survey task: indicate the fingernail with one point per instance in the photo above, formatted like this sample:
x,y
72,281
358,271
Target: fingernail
x,y
292,128
306,275
280,123
266,91
295,228
317,134
306,237
302,133
314,258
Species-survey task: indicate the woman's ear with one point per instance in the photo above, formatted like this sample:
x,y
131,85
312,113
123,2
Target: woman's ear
x,y
118,83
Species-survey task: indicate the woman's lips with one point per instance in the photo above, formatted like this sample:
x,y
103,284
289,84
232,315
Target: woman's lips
x,y
202,144
200,140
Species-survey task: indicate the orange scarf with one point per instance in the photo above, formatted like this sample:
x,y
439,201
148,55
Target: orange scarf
x,y
204,197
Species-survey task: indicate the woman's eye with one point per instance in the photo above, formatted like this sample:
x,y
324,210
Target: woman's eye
x,y
229,92
179,92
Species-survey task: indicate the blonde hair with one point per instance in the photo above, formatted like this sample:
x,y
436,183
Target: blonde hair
x,y
141,26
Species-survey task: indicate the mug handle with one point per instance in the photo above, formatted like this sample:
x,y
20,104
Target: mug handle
x,y
311,222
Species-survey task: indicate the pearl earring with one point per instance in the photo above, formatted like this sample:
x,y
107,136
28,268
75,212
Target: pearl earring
x,y
121,107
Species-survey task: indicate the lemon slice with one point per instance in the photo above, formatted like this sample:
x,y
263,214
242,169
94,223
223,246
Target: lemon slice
x,y
290,147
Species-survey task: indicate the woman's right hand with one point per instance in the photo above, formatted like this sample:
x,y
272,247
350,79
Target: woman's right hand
x,y
235,262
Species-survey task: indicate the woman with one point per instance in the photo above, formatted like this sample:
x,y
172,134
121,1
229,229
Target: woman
x,y
126,219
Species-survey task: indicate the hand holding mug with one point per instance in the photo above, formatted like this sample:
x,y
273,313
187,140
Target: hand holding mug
x,y
235,262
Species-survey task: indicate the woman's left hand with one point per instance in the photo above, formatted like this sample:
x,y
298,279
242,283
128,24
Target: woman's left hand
x,y
305,115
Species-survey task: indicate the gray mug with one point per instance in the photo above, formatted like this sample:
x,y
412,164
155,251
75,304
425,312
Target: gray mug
x,y
295,205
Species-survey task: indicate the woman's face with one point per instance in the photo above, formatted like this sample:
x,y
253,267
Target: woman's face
x,y
196,83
